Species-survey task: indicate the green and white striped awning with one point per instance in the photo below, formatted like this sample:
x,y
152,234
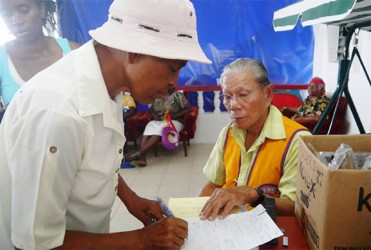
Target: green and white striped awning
x,y
344,13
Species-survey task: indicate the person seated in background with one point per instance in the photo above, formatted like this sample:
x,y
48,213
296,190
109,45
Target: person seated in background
x,y
313,106
31,51
129,108
256,156
177,105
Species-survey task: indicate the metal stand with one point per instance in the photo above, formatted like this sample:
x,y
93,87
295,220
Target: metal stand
x,y
342,87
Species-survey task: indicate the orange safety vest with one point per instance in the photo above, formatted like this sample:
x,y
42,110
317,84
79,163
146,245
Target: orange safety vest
x,y
268,165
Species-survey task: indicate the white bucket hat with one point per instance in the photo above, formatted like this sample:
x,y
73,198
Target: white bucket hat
x,y
160,28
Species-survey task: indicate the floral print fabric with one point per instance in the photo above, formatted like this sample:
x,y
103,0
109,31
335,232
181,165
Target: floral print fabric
x,y
312,107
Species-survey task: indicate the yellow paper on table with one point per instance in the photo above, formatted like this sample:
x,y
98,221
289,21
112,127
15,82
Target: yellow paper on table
x,y
190,206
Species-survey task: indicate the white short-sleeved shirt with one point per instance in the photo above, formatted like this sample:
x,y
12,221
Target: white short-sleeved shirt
x,y
61,146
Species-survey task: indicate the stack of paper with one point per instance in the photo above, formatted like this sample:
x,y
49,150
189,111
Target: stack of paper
x,y
238,231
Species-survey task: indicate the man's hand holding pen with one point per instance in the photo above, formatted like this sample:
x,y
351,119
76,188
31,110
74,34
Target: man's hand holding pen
x,y
164,231
160,231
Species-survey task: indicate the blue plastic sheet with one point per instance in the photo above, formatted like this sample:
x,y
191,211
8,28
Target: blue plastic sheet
x,y
77,17
228,29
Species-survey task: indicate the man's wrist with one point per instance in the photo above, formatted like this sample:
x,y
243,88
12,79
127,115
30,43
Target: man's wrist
x,y
260,200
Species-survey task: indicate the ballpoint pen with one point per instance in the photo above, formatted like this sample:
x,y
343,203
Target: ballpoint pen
x,y
165,208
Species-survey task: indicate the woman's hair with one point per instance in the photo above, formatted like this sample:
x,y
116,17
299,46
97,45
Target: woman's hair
x,y
49,21
249,65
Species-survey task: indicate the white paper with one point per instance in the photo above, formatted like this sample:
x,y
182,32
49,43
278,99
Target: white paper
x,y
237,231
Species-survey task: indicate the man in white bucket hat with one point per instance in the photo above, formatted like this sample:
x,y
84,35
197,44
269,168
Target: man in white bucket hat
x,y
62,137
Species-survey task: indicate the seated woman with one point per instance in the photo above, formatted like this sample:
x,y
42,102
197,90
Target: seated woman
x,y
313,106
178,106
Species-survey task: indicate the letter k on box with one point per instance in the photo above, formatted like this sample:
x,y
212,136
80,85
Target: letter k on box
x,y
333,206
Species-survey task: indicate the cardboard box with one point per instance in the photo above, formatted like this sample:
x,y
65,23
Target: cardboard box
x,y
333,207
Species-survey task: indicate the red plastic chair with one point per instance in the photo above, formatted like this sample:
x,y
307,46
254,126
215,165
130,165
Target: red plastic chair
x,y
134,126
281,99
189,129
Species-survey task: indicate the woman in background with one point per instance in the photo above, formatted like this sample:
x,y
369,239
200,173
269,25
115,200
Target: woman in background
x,y
313,106
31,51
178,106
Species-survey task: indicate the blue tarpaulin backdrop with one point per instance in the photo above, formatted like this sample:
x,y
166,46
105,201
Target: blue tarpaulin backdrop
x,y
228,29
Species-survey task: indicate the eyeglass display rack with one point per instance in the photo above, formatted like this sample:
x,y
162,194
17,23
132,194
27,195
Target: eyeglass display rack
x,y
343,75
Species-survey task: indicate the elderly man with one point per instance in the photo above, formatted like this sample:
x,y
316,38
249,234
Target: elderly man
x,y
255,157
61,138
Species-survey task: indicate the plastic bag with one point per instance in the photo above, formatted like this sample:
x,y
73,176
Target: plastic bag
x,y
343,158
170,136
367,163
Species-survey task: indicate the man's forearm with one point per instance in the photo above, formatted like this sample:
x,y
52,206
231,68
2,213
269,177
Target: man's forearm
x,y
285,207
125,193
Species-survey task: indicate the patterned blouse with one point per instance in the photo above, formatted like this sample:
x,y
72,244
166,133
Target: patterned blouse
x,y
312,107
176,103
